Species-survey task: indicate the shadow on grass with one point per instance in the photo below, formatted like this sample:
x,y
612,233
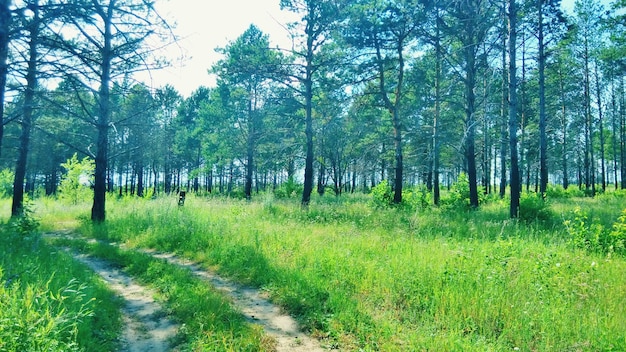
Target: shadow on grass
x,y
203,313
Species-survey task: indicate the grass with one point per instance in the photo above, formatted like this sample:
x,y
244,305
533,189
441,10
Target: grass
x,y
371,279
48,302
207,320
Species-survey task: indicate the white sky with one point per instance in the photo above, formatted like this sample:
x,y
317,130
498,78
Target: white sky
x,y
204,25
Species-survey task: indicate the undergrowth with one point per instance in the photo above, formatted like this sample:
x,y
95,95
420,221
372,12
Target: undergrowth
x,y
390,279
48,302
208,322
362,277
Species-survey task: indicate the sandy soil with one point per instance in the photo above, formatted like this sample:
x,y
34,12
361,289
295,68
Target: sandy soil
x,y
147,329
254,304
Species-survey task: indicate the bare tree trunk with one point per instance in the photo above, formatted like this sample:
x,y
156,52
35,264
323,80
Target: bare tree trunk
x,y
503,113
308,131
615,132
17,206
470,124
102,124
589,169
600,128
622,133
140,181
5,27
543,140
563,130
486,155
515,179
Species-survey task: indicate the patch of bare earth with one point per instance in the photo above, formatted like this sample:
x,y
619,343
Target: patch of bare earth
x,y
255,305
147,330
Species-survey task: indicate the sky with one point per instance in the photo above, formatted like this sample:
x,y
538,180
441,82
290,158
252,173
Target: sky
x,y
204,25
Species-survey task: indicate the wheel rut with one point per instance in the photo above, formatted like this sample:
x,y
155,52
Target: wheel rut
x,y
146,328
255,305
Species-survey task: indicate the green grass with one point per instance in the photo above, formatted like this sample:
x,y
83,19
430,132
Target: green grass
x,y
399,279
208,321
48,302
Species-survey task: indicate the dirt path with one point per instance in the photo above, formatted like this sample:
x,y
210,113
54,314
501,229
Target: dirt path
x,y
255,305
147,330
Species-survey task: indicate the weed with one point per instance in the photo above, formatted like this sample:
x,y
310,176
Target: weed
x,y
48,301
534,208
393,278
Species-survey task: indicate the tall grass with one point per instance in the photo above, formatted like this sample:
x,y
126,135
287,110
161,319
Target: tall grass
x,y
48,302
397,279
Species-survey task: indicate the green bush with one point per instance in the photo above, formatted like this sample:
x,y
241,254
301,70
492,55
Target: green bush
x,y
6,183
27,223
35,318
594,237
617,237
583,233
382,196
459,195
534,208
417,197
289,189
75,183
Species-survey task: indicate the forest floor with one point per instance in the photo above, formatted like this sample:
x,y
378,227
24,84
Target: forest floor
x,y
147,328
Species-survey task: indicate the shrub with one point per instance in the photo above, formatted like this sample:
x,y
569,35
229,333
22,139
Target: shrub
x,y
594,237
534,208
459,195
25,224
417,197
289,189
76,182
583,234
6,183
382,196
617,237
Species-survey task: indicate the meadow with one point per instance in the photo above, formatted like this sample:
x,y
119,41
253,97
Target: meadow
x,y
363,277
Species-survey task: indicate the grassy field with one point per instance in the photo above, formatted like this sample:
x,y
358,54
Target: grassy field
x,y
365,278
48,302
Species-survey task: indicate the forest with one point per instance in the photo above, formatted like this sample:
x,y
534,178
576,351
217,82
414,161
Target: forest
x,y
412,92
406,175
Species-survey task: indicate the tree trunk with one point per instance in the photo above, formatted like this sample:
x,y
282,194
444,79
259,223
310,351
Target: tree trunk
x,y
436,117
622,122
486,155
140,181
308,112
563,130
588,163
543,140
503,113
615,133
600,128
321,176
470,124
515,179
104,101
249,168
17,206
5,27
